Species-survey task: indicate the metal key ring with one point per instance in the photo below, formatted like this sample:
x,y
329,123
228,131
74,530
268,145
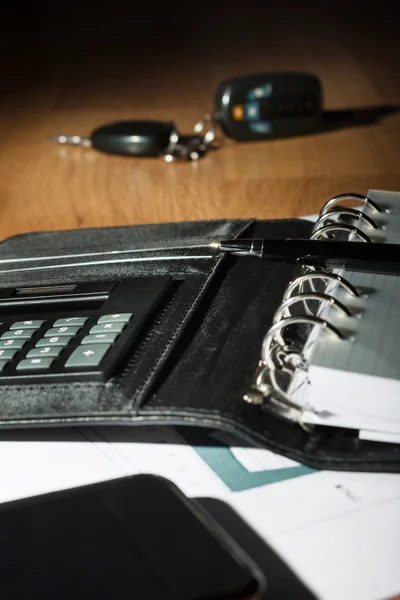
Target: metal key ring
x,y
172,144
283,313
277,328
207,120
367,201
340,227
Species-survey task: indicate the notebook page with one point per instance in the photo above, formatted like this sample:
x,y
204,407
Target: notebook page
x,y
356,382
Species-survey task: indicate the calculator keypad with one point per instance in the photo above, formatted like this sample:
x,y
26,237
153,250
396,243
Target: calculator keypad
x,y
70,321
54,337
100,338
56,340
34,364
21,334
116,318
18,344
45,351
55,331
108,328
80,343
27,325
87,356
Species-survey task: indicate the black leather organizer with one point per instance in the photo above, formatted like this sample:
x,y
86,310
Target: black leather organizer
x,y
193,352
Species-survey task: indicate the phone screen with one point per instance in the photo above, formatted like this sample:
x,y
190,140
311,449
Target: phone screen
x,y
136,537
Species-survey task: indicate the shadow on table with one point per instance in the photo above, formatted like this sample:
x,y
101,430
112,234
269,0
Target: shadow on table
x,y
333,120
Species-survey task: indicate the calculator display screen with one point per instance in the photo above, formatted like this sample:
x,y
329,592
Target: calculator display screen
x,y
48,289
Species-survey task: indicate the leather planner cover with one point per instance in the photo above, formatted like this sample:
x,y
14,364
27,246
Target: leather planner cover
x,y
198,354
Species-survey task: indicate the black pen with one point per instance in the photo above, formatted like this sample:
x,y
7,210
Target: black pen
x,y
357,256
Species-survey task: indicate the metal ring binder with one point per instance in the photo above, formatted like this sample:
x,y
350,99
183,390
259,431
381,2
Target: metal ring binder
x,y
283,313
339,211
320,275
364,199
340,227
275,334
282,358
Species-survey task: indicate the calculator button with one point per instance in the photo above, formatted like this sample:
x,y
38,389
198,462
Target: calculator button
x,y
8,354
87,356
17,343
27,325
45,351
108,328
32,364
23,334
62,331
116,318
70,321
100,338
3,364
54,341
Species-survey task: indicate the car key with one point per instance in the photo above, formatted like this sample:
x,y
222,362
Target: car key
x,y
268,106
148,138
128,138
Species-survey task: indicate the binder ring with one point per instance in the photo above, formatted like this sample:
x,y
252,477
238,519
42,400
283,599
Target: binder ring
x,y
285,360
340,227
275,334
298,282
364,199
283,312
351,212
262,393
284,406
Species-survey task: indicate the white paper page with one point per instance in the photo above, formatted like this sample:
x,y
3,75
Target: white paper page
x,y
307,516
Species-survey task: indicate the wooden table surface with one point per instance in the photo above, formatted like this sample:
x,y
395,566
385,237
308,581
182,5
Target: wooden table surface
x,y
69,69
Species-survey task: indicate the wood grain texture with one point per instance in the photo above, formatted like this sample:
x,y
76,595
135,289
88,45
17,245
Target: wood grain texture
x,y
70,72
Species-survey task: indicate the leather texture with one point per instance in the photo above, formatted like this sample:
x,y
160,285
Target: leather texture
x,y
199,355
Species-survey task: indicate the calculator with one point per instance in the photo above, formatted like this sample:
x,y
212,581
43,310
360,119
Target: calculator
x,y
75,332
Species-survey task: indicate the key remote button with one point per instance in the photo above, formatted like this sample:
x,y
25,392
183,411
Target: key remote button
x,y
61,331
116,318
100,338
3,363
108,328
33,364
45,351
70,321
16,343
21,334
87,356
54,341
7,354
27,325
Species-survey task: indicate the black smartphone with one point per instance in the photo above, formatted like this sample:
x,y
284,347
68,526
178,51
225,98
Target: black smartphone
x,y
137,537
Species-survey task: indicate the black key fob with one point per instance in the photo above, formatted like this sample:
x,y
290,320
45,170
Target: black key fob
x,y
268,106
133,138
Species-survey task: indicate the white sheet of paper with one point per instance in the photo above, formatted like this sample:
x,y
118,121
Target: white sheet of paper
x,y
338,531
